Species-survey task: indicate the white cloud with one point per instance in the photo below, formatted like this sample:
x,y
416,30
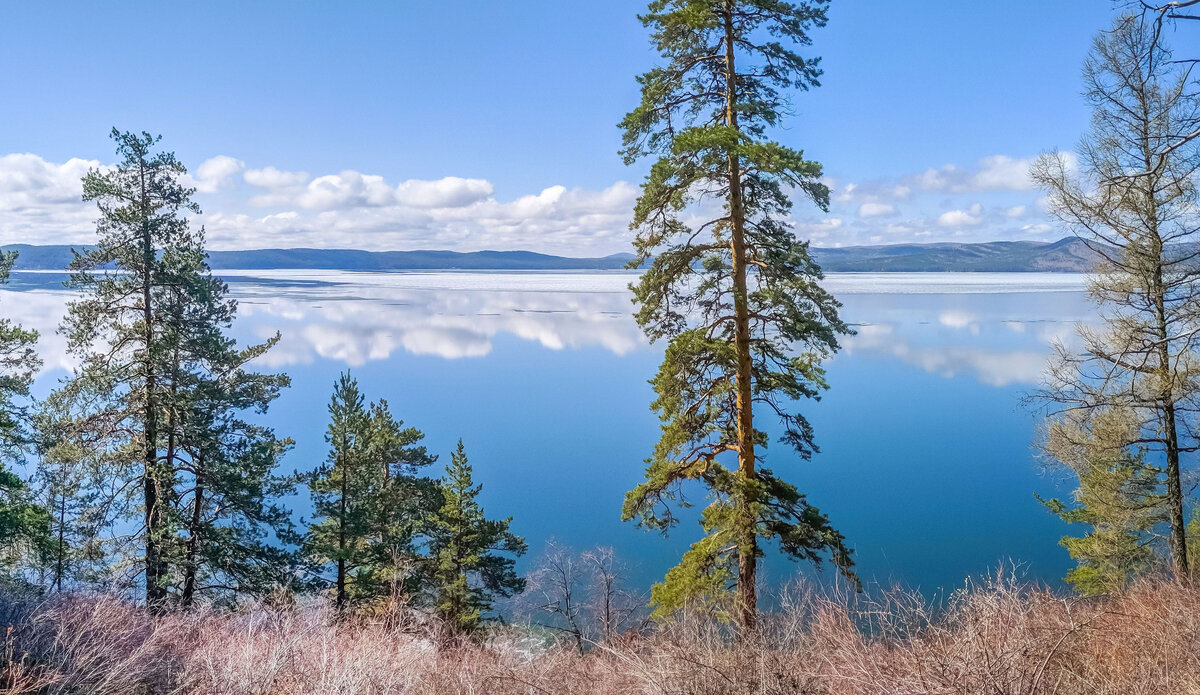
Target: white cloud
x,y
449,192
214,174
961,218
27,180
875,210
41,201
352,210
1002,173
348,189
995,173
270,177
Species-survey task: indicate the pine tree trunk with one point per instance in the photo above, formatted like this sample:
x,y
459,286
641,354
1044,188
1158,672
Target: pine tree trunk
x,y
193,547
59,559
341,564
155,591
746,536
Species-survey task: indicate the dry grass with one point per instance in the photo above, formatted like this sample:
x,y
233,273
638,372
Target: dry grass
x,y
995,640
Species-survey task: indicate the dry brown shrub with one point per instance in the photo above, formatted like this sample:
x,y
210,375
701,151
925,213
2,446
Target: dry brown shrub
x,y
996,639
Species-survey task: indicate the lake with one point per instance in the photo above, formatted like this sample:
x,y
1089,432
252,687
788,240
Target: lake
x,y
926,461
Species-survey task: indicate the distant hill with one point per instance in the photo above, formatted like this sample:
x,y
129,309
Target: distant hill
x,y
57,257
1068,255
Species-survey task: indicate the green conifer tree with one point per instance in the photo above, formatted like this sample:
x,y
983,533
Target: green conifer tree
x,y
1120,496
466,546
24,524
733,290
370,503
156,400
235,528
403,507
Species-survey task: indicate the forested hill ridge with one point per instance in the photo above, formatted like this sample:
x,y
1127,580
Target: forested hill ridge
x,y
58,256
1069,255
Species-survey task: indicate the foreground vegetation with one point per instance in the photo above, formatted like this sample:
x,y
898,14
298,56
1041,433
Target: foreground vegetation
x,y
996,639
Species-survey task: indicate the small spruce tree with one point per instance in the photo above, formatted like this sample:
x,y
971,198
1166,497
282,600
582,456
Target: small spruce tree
x,y
1120,497
470,571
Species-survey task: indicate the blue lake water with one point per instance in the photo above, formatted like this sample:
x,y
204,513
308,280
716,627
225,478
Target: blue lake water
x,y
926,463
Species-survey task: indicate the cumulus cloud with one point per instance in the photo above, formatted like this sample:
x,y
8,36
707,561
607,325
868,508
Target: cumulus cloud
x,y
875,210
961,218
214,174
270,207
996,173
351,189
449,192
41,201
453,213
265,206
348,189
270,177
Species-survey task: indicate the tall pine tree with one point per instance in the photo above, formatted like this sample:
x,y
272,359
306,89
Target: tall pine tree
x,y
473,555
156,400
733,291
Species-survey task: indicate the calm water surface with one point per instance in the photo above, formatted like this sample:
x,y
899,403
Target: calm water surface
x,y
925,465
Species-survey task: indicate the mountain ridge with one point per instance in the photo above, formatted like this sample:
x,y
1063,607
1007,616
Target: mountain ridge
x,y
1069,255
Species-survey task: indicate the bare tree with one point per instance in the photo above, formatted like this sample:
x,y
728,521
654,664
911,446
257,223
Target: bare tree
x,y
554,584
583,595
1132,198
613,607
1173,14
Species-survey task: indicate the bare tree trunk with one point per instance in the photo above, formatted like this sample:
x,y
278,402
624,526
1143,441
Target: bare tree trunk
x,y
1178,542
1179,558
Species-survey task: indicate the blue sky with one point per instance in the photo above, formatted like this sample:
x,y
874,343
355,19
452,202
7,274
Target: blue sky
x,y
472,125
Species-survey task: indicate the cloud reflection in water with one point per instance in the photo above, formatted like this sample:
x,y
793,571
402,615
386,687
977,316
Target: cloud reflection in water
x,y
989,331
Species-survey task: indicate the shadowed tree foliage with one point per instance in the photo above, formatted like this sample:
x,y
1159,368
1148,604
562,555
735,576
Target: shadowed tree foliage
x,y
1119,497
74,553
23,523
234,527
730,287
371,504
467,547
1133,199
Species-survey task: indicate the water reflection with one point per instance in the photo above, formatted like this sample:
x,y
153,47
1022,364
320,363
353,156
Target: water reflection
x,y
997,337
994,329
362,317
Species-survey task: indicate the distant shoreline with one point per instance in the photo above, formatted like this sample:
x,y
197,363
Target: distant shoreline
x,y
1069,255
